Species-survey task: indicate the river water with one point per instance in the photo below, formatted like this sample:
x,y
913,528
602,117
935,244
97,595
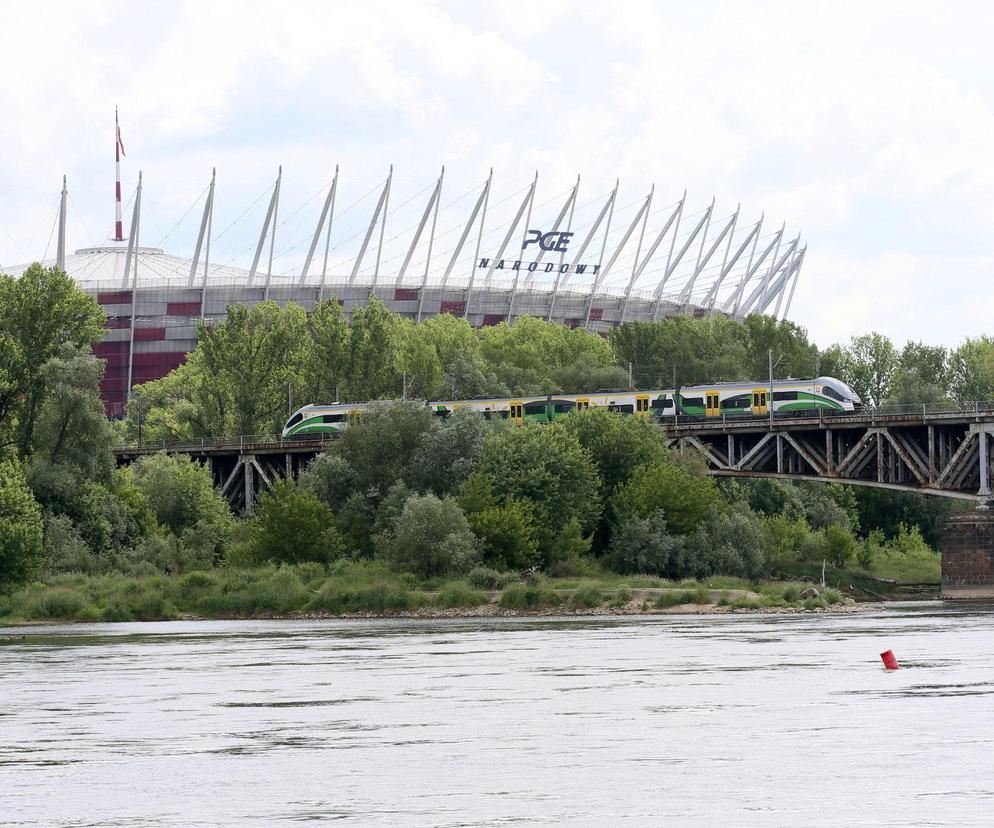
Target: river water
x,y
751,720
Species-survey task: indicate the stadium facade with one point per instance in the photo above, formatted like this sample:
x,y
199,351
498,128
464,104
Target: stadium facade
x,y
618,263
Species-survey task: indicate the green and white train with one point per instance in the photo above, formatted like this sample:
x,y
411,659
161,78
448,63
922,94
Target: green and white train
x,y
738,399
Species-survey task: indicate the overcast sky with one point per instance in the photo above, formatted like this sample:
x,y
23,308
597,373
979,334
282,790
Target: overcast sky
x,y
867,128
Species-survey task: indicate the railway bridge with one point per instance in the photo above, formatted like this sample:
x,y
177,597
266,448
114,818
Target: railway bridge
x,y
940,451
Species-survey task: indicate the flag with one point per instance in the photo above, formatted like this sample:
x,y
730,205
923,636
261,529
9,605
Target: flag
x,y
120,143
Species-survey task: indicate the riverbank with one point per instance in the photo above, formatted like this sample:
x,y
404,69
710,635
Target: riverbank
x,y
370,590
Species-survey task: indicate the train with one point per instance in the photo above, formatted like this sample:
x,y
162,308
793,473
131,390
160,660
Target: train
x,y
739,399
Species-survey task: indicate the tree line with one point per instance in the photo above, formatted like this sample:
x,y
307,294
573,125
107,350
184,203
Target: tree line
x,y
426,495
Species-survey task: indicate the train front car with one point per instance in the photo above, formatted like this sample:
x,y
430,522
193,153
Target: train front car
x,y
313,422
830,388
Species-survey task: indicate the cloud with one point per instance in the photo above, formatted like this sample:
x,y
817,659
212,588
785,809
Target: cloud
x,y
866,127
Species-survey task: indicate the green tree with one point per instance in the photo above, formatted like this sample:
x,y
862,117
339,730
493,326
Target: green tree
x,y
731,542
326,375
21,528
643,546
71,425
617,445
331,478
431,537
507,534
795,355
246,365
547,467
971,370
870,367
41,313
372,360
381,447
179,491
291,525
922,375
685,498
447,452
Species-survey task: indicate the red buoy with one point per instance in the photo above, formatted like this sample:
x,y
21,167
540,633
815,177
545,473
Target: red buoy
x,y
889,661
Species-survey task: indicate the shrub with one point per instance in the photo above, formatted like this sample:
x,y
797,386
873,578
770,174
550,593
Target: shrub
x,y
729,543
586,597
432,537
674,598
507,534
179,491
522,597
66,551
840,545
460,594
483,577
687,499
291,525
642,546
791,594
622,597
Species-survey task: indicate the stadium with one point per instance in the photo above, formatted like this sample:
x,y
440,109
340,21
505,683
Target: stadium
x,y
593,262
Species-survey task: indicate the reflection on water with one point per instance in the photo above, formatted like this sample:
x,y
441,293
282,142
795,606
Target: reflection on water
x,y
754,720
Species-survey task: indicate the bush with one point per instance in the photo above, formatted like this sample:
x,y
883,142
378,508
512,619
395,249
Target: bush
x,y
432,537
586,597
522,597
66,551
642,546
291,525
460,595
179,491
673,598
840,545
507,535
622,597
729,543
687,499
483,577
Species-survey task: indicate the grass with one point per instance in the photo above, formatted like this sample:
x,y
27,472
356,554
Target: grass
x,y
357,587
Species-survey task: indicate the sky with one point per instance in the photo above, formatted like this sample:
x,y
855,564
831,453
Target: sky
x,y
866,128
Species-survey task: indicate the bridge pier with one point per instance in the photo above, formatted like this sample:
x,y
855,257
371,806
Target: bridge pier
x,y
968,554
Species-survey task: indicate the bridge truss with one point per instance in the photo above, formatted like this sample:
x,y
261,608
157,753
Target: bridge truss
x,y
946,453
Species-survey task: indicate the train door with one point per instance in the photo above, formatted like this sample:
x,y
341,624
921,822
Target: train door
x,y
517,412
712,404
582,403
642,404
759,401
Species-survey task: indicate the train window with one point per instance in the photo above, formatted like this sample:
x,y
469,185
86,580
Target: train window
x,y
622,409
735,403
660,403
332,418
296,418
442,411
831,392
563,406
531,409
693,401
781,396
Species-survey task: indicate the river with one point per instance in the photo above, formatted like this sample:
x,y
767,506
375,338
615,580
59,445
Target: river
x,y
746,719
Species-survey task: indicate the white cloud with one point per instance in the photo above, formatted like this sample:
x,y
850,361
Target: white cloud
x,y
869,128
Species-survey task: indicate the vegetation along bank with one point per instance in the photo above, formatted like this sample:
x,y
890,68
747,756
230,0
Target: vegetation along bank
x,y
412,505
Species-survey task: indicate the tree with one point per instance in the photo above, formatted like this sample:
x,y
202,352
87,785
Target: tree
x,y
447,451
507,534
617,445
870,366
546,466
179,491
971,370
21,528
41,313
326,375
686,499
789,342
245,366
331,478
431,537
372,370
731,542
71,426
922,375
380,448
417,359
643,546
291,525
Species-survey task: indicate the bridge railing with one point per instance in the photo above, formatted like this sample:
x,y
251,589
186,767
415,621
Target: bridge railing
x,y
240,443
